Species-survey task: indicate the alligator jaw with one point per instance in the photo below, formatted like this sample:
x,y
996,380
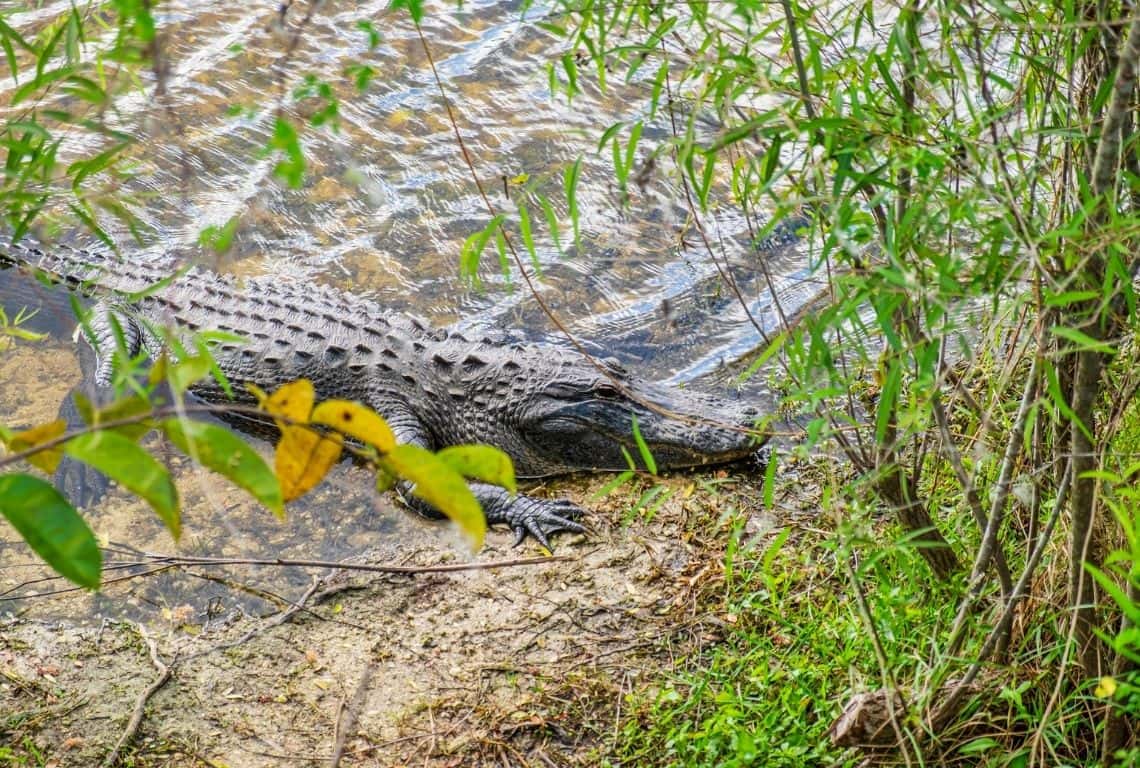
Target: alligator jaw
x,y
585,430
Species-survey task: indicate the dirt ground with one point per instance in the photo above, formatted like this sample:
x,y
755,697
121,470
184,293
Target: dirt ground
x,y
269,666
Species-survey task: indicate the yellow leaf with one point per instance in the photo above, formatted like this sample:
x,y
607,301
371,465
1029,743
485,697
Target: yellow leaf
x,y
46,460
158,370
1106,688
128,407
398,117
258,393
520,179
356,421
302,459
293,401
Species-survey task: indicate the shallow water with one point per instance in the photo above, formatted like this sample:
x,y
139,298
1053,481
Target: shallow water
x,y
386,205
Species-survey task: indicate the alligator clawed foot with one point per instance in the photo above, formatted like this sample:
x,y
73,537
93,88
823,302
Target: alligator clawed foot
x,y
539,518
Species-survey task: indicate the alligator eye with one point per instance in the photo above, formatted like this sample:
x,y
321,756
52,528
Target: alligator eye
x,y
607,391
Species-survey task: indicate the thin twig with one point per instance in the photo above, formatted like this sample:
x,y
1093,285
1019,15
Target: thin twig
x,y
989,543
897,718
173,561
165,672
971,491
1001,629
350,711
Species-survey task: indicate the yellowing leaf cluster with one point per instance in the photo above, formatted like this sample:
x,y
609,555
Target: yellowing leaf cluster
x,y
305,454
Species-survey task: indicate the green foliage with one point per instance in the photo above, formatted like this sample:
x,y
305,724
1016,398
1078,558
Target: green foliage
x,y
480,462
473,248
438,483
126,463
415,8
975,266
64,83
220,450
304,455
219,238
52,528
643,449
291,168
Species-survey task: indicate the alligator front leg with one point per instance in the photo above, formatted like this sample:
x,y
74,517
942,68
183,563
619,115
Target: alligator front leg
x,y
524,515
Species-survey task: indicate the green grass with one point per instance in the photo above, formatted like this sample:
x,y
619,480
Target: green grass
x,y
792,646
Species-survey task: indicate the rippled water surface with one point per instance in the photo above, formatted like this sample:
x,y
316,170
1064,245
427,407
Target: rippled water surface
x,y
388,199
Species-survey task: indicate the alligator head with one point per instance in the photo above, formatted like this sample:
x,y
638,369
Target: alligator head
x,y
583,419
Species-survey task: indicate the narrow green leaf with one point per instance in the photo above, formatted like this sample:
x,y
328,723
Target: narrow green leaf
x,y
608,135
481,462
888,396
120,459
570,185
472,250
705,183
774,346
770,482
41,80
188,371
1066,298
501,249
8,33
631,147
619,480
552,222
621,172
1083,340
643,448
571,68
291,169
52,528
415,8
220,450
659,80
219,239
1122,599
10,55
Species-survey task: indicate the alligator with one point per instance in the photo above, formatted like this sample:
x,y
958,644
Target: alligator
x,y
552,409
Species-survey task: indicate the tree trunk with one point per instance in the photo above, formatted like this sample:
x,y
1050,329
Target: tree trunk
x,y
1082,596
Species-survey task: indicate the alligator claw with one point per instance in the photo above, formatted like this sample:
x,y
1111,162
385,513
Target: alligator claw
x,y
538,518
